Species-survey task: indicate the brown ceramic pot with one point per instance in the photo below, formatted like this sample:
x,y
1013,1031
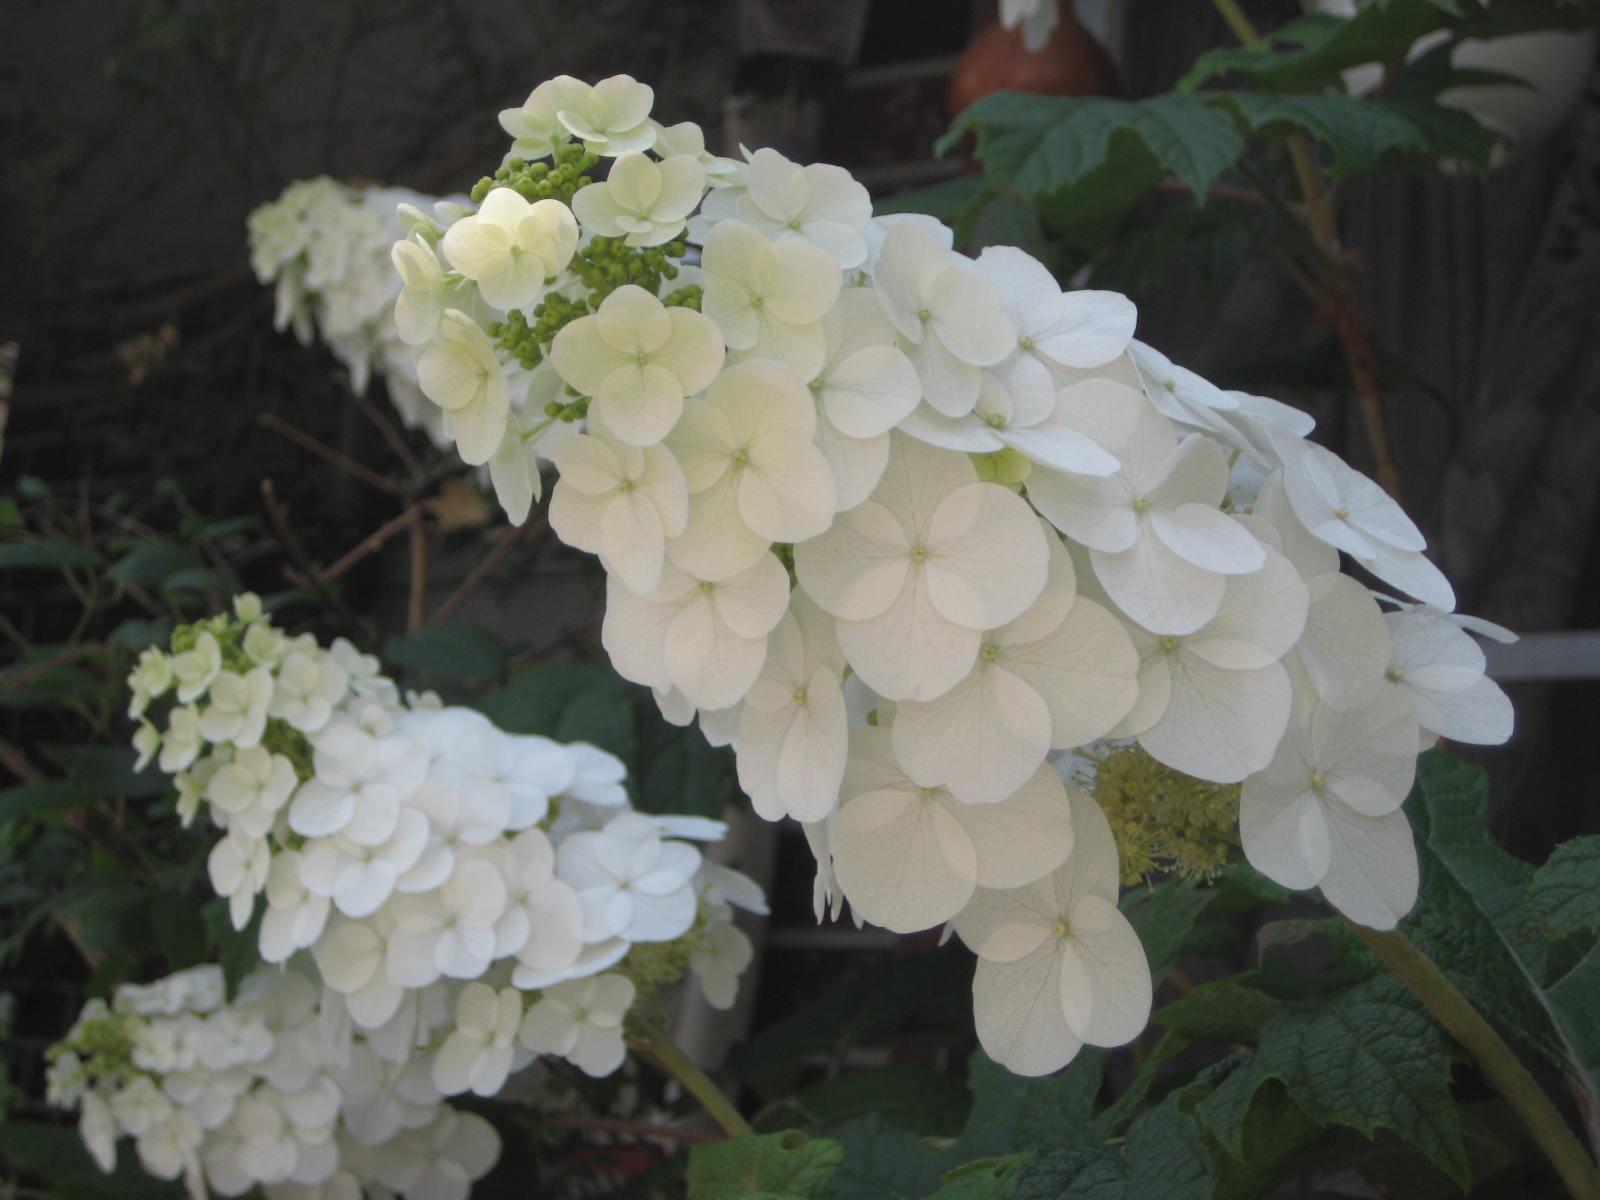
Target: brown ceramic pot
x,y
1071,63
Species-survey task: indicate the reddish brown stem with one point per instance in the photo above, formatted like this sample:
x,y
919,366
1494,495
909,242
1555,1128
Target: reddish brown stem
x,y
369,545
328,454
485,568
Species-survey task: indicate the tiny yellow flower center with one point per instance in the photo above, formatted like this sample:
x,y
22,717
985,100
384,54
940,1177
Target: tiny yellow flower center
x,y
924,314
799,695
1169,643
1061,929
1141,503
987,653
996,420
1393,675
918,553
1318,781
1025,342
1342,513
741,458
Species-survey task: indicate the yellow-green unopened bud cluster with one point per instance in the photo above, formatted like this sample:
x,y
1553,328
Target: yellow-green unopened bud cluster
x,y
1163,820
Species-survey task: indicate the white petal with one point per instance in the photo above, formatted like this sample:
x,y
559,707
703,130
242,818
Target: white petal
x,y
1286,836
1220,725
982,739
909,651
903,860
1158,589
1025,836
987,557
1372,875
1085,670
1105,955
1016,1007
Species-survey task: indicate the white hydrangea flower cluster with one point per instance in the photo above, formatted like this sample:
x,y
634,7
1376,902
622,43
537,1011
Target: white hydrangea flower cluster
x,y
276,1088
465,898
327,248
906,528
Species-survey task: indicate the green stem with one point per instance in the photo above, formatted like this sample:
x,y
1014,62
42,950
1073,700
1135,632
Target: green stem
x,y
651,1040
1501,1067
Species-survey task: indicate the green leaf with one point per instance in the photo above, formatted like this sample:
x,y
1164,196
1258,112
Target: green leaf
x,y
107,769
42,798
451,652
1167,1156
57,1154
150,563
1467,917
985,1179
1564,896
1162,914
136,633
536,701
1164,1156
1259,1126
1085,1173
1364,1064
677,771
915,1099
1012,1112
1042,144
885,1163
201,579
43,553
948,200
774,1166
1227,1010
1359,132
1309,53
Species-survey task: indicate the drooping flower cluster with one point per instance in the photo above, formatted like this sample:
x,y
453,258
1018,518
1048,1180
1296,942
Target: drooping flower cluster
x,y
275,1088
462,898
915,532
328,248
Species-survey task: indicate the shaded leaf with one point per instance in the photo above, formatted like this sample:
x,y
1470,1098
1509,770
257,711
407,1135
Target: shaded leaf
x,y
1042,144
449,651
44,553
882,1162
1309,53
1564,895
1227,1010
915,1099
42,799
774,1166
1365,1065
1467,917
150,563
986,1179
1359,132
1012,1112
1162,915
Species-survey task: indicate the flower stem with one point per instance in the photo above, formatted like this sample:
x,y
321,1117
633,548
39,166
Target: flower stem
x,y
652,1041
1501,1067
